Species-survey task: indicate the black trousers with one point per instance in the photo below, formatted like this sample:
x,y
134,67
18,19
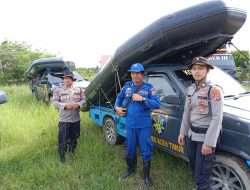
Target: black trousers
x,y
68,134
201,165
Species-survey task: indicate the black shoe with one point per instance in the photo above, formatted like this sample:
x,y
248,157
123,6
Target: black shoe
x,y
131,163
146,171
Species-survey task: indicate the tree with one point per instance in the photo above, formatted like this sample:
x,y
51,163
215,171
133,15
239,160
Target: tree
x,y
88,73
15,58
241,59
243,64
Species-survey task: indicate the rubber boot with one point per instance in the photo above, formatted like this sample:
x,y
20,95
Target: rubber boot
x,y
146,171
131,164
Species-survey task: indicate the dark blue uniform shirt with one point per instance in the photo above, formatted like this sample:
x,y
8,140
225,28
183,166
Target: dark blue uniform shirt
x,y
138,113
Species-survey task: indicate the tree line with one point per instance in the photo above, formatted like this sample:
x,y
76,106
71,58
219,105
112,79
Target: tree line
x,y
15,58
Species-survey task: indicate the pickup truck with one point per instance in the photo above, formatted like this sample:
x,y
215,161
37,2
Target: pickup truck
x,y
232,166
46,75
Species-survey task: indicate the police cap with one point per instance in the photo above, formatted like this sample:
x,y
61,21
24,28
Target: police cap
x,y
200,61
69,74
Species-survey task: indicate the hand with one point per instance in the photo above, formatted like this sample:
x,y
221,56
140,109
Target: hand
x,y
120,111
137,97
181,140
69,106
75,106
206,150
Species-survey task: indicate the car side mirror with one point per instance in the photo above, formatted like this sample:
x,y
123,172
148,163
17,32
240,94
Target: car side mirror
x,y
171,99
3,98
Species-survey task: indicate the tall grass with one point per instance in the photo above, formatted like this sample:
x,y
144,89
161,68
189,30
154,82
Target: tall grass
x,y
29,159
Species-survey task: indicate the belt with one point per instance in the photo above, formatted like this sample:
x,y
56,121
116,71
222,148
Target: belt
x,y
199,130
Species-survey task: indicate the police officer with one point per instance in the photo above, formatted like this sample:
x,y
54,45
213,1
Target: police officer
x,y
68,99
202,122
138,119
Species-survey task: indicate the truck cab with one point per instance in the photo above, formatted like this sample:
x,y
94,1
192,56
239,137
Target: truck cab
x,y
224,60
46,75
171,80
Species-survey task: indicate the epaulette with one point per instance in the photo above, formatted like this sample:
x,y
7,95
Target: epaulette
x,y
129,82
148,84
215,86
60,88
191,85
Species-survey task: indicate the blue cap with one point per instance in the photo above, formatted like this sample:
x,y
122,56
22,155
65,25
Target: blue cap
x,y
137,67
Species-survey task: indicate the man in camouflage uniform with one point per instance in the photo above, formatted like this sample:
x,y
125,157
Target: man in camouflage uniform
x,y
202,122
69,100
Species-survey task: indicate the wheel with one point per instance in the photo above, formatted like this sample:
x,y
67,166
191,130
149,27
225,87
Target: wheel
x,y
230,172
110,133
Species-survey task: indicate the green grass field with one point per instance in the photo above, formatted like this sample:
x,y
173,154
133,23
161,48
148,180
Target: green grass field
x,y
29,160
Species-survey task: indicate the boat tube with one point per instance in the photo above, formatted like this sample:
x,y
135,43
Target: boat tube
x,y
177,37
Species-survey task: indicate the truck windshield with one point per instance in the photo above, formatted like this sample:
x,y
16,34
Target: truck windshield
x,y
229,85
54,79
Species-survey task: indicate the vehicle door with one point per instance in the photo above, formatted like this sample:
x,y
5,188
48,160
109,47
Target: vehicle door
x,y
167,120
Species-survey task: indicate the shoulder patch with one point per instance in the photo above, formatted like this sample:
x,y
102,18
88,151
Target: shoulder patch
x,y
216,93
153,92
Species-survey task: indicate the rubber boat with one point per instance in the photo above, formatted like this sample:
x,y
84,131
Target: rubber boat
x,y
177,37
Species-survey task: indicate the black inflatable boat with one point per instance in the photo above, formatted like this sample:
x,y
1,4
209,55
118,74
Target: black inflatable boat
x,y
177,37
48,64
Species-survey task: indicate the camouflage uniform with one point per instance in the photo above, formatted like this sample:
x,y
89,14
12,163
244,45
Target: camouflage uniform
x,y
69,119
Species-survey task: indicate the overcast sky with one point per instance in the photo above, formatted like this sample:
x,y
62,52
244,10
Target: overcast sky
x,y
83,30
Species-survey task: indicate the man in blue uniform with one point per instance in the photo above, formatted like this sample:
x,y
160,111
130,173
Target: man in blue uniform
x,y
135,101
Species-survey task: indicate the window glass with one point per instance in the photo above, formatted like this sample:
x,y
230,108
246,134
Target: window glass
x,y
162,86
229,85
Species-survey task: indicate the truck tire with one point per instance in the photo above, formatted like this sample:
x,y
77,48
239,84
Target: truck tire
x,y
110,133
230,172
